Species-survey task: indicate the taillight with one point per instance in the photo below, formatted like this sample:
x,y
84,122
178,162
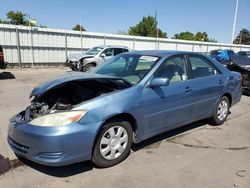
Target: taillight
x,y
241,79
1,56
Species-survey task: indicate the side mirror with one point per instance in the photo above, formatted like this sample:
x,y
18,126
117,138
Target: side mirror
x,y
158,82
103,55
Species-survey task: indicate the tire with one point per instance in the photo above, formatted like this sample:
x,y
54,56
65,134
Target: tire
x,y
88,67
113,144
223,105
80,66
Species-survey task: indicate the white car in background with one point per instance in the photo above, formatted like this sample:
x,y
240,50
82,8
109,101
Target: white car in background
x,y
93,57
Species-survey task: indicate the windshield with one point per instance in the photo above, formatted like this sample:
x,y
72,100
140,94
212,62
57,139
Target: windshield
x,y
131,67
94,51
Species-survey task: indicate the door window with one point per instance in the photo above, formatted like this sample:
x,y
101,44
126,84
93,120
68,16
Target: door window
x,y
108,52
201,67
174,69
118,51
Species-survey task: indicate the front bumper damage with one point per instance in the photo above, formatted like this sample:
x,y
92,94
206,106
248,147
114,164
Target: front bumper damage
x,y
52,146
74,65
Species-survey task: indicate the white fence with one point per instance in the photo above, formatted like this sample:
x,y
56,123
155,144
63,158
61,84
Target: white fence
x,y
24,45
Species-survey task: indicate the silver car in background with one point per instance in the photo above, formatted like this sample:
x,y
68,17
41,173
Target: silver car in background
x,y
93,57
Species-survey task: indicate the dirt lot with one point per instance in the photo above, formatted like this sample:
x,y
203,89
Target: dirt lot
x,y
196,155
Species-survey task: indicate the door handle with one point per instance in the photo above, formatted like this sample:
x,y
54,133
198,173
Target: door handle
x,y
188,89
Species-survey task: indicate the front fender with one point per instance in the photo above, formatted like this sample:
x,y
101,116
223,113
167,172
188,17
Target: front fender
x,y
78,57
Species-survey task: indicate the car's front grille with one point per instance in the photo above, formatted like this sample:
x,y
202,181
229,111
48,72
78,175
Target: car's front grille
x,y
18,146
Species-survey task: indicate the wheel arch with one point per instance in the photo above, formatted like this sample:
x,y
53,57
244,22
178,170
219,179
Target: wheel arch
x,y
91,62
229,96
122,116
125,116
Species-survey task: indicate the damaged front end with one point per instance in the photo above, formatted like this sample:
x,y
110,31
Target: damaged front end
x,y
66,94
245,73
76,61
241,65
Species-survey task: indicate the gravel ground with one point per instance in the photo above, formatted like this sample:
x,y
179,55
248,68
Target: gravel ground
x,y
196,155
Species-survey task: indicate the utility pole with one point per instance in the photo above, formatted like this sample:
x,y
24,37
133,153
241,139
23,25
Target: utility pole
x,y
235,19
81,35
157,32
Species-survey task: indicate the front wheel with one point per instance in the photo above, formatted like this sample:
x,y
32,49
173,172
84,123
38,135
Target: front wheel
x,y
89,67
113,144
221,111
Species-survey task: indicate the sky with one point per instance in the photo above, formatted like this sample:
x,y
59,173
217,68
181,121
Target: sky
x,y
174,16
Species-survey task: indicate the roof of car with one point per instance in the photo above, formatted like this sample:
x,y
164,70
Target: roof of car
x,y
112,46
160,53
244,51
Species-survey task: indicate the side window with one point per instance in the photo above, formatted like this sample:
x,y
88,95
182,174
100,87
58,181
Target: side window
x,y
174,69
118,51
201,67
125,50
108,52
120,63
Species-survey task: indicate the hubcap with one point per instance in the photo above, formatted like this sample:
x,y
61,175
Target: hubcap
x,y
89,68
222,110
113,142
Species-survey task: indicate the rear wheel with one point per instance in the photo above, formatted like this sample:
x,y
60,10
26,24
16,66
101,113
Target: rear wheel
x,y
221,111
89,67
113,144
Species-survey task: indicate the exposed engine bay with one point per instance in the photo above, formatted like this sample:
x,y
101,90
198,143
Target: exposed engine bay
x,y
65,96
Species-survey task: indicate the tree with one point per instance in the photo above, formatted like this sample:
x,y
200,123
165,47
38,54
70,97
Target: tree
x,y
147,27
17,18
78,28
184,36
212,40
243,37
199,36
121,32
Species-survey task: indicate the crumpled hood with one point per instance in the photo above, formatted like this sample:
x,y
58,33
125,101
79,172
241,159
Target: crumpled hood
x,y
77,57
70,76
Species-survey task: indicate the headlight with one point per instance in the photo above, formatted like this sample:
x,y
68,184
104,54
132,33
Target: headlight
x,y
58,119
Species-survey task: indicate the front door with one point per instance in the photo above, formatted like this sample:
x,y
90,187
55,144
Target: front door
x,y
167,107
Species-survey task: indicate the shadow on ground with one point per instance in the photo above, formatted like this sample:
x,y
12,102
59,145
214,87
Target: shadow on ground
x,y
167,135
6,76
77,168
64,171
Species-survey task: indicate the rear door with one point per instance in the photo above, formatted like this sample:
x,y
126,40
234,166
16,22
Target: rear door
x,y
208,84
118,51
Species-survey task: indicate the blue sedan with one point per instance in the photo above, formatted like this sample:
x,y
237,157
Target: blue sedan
x,y
129,98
